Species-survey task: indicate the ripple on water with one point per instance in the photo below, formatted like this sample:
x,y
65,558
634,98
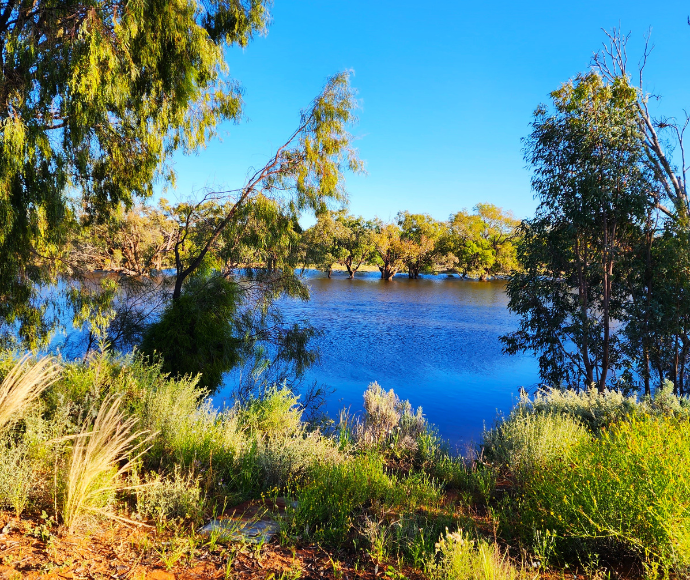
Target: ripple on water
x,y
434,341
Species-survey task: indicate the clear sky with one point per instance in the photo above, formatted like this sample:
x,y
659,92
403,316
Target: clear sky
x,y
446,89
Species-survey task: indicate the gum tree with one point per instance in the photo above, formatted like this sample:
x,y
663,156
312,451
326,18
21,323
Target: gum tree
x,y
422,234
588,173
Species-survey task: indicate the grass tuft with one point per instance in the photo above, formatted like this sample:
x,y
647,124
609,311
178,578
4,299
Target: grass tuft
x,y
101,454
25,383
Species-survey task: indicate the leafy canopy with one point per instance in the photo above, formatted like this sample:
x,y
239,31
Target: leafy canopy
x,y
95,96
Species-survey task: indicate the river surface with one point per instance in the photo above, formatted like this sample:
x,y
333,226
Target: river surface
x,y
434,341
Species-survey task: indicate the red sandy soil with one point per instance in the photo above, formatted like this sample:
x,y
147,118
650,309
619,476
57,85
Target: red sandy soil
x,y
114,550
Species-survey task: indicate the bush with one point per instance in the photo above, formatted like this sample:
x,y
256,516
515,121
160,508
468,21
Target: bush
x,y
597,411
329,505
526,442
195,333
631,486
18,476
175,496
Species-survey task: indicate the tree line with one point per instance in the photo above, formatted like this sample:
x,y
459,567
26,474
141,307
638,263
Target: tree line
x,y
141,241
97,96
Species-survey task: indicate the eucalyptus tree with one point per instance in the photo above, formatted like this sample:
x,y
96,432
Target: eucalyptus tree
x,y
422,234
357,244
95,96
322,242
588,167
483,242
391,249
657,329
500,232
662,137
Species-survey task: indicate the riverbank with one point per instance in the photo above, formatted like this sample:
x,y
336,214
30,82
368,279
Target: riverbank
x,y
110,469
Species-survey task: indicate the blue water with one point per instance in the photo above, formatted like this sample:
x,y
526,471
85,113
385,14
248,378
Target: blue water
x,y
433,340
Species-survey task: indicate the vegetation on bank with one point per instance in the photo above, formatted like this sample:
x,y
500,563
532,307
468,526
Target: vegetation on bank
x,y
579,481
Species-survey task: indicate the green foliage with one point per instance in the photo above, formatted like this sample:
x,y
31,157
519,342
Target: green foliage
x,y
391,249
422,234
630,487
338,237
587,158
98,98
195,333
483,243
337,495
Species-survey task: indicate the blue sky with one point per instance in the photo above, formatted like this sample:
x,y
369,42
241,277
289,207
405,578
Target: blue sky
x,y
446,89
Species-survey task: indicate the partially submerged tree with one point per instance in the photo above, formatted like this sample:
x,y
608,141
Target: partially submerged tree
x,y
391,250
338,238
422,234
483,242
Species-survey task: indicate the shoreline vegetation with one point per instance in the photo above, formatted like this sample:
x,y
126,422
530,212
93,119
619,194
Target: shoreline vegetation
x,y
113,449
110,465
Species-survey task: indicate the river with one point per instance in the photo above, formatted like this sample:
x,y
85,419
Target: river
x,y
434,341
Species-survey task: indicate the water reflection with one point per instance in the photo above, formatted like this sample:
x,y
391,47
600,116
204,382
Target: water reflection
x,y
433,340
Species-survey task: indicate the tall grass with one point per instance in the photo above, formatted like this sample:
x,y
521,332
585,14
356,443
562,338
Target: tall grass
x,y
25,383
101,454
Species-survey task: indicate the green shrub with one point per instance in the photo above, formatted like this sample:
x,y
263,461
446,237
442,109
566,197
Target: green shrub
x,y
631,486
195,333
329,505
474,478
189,432
527,441
175,496
276,414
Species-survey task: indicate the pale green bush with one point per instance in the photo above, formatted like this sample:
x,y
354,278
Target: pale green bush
x,y
526,441
291,458
600,410
18,476
388,421
174,496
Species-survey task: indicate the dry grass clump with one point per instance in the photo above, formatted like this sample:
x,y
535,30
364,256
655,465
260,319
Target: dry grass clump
x,y
25,383
460,558
101,454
